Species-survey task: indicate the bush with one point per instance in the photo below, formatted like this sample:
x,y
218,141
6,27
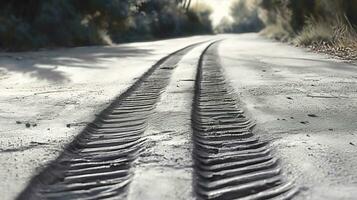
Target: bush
x,y
305,18
30,24
328,26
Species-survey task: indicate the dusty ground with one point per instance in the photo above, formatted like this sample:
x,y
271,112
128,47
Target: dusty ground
x,y
303,102
349,53
306,104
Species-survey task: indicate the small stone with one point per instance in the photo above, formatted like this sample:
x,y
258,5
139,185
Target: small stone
x,y
289,98
351,143
312,115
28,125
68,125
18,122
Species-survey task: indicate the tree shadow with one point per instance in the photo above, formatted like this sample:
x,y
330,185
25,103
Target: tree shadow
x,y
43,65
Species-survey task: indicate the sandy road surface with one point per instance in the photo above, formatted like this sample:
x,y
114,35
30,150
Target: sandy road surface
x,y
302,103
306,104
52,90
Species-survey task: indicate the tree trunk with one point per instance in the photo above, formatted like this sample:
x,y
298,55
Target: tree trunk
x,y
188,5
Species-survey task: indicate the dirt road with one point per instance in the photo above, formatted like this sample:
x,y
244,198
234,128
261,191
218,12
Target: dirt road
x,y
238,118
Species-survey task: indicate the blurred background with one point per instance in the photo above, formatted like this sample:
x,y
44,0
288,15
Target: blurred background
x,y
325,25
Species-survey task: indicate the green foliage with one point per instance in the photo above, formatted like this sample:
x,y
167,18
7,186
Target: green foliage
x,y
29,24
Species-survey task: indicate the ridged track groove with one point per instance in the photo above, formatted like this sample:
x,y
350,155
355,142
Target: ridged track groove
x,y
96,165
230,162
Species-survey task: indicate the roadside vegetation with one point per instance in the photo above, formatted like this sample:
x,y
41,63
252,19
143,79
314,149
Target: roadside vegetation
x,y
34,24
324,25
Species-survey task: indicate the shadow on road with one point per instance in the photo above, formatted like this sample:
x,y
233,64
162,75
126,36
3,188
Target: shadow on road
x,y
43,65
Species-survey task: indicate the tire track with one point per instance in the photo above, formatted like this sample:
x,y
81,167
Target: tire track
x,y
96,165
165,169
230,162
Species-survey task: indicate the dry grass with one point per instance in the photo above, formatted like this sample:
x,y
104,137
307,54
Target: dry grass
x,y
322,25
336,37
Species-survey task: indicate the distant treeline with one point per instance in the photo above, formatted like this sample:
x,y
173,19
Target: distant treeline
x,y
245,18
29,24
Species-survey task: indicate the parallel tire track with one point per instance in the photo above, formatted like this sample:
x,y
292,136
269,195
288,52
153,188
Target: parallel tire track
x,y
230,162
96,165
